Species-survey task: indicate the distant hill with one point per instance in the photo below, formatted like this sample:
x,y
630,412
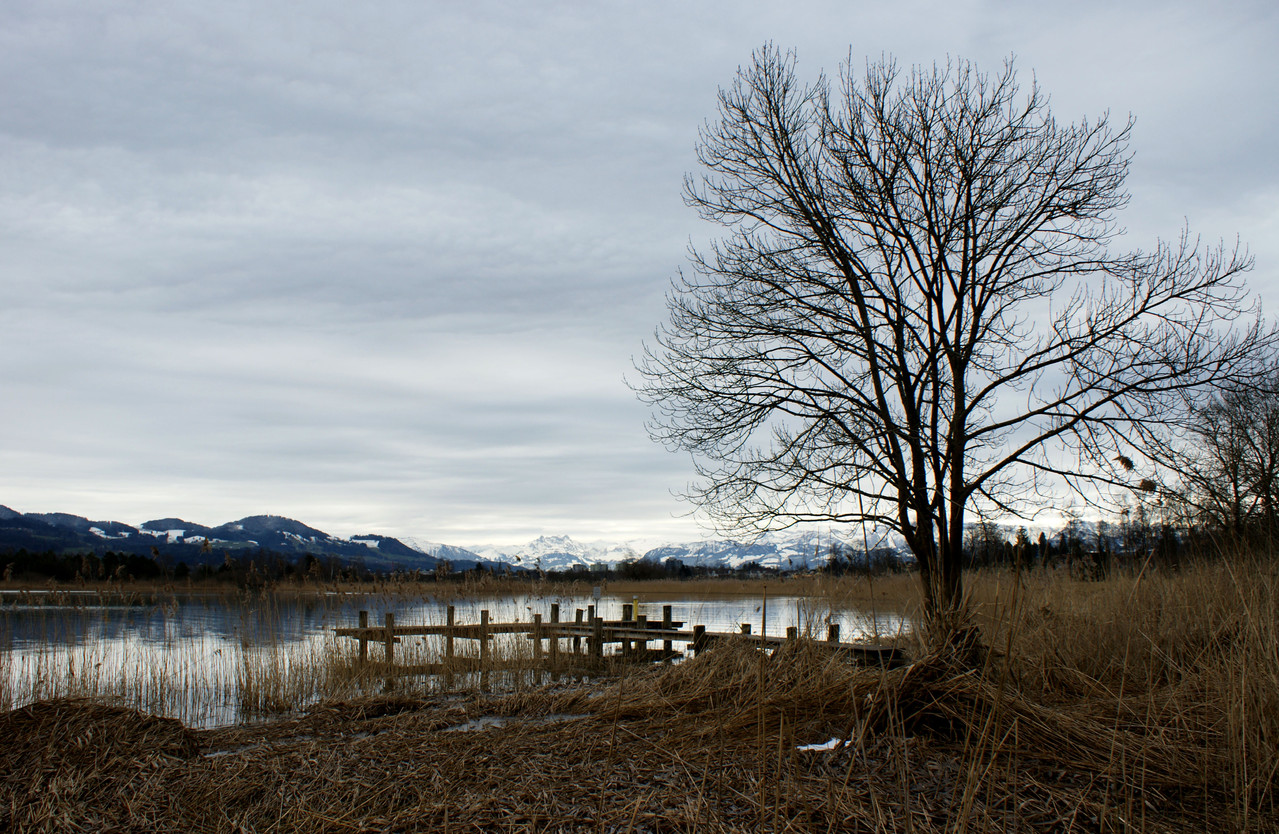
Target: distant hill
x,y
180,540
175,527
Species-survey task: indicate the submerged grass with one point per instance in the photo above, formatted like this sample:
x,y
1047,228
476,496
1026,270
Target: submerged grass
x,y
201,664
218,658
1147,702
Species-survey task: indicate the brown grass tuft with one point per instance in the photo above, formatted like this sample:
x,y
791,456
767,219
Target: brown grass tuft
x,y
68,764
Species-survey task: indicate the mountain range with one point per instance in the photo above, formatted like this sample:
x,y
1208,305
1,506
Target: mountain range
x,y
181,540
787,550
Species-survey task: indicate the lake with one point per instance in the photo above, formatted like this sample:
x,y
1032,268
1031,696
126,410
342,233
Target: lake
x,y
215,659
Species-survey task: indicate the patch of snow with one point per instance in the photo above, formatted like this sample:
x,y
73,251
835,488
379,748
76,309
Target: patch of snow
x,y
102,534
169,536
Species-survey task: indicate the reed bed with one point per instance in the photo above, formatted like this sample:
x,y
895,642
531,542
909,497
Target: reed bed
x,y
1187,657
213,659
710,745
204,659
1143,703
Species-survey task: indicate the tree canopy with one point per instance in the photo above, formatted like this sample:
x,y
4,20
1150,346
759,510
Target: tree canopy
x,y
915,309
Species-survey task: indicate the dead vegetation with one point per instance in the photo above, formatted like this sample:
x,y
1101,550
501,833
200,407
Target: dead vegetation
x,y
1144,703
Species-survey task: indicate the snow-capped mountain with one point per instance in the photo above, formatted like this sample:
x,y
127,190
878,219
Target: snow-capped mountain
x,y
558,553
177,539
787,550
196,543
460,557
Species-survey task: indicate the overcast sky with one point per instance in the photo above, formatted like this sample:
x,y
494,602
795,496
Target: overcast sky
x,y
382,267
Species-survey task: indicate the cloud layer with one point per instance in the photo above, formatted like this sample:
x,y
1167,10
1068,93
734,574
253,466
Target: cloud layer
x,y
383,268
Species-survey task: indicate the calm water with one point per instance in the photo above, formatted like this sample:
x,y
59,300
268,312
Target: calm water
x,y
211,660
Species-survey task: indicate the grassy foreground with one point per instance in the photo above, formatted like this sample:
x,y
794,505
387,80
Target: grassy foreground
x,y
1147,702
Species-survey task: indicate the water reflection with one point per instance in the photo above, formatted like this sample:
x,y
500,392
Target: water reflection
x,y
208,659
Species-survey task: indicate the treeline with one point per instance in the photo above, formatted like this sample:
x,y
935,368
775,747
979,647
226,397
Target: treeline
x,y
1086,553
261,567
1213,490
843,559
1150,534
244,569
21,565
651,569
1226,484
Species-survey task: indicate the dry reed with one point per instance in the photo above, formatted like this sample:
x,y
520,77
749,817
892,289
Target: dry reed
x,y
1143,703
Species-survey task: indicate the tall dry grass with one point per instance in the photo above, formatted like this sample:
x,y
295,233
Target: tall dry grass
x,y
1184,658
1160,684
1145,702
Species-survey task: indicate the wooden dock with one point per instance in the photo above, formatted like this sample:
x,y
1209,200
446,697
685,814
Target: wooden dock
x,y
577,645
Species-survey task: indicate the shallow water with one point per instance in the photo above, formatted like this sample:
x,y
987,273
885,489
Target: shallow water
x,y
212,660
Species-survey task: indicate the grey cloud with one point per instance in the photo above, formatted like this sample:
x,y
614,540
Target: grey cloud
x,y
383,268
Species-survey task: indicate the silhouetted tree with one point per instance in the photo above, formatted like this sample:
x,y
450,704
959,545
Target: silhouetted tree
x,y
1229,467
915,309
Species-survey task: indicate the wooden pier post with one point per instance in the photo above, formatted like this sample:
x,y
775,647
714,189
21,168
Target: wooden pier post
x,y
364,638
555,642
832,632
577,641
792,632
628,615
484,649
390,651
641,646
597,638
699,639
763,617
537,648
390,638
450,620
667,647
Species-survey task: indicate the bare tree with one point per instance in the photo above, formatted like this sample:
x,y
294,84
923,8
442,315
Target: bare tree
x,y
985,544
1228,466
914,309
